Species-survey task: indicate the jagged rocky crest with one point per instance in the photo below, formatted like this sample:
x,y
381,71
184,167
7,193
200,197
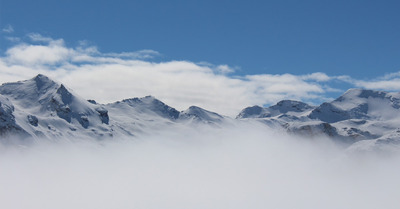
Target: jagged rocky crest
x,y
43,108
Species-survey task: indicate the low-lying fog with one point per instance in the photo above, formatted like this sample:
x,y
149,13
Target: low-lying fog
x,y
247,167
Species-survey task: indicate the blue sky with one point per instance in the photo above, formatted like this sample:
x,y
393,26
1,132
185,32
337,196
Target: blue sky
x,y
357,38
352,43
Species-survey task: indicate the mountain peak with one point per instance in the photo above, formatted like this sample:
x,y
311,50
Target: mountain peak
x,y
200,114
42,81
194,110
30,90
149,97
41,77
285,106
250,112
151,104
146,99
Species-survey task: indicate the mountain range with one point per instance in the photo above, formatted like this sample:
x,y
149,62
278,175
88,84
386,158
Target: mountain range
x,y
43,108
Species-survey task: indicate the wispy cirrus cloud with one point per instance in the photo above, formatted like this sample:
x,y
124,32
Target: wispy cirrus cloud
x,y
36,37
142,54
8,29
108,77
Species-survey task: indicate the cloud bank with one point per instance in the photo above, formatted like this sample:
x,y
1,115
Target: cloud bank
x,y
240,167
108,77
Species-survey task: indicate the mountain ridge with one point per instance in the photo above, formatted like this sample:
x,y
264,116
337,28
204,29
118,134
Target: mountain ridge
x,y
41,107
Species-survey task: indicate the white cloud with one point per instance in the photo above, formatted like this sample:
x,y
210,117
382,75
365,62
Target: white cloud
x,y
32,55
320,77
142,54
108,77
244,166
390,76
53,52
8,29
40,38
218,69
388,82
388,85
224,69
272,88
13,39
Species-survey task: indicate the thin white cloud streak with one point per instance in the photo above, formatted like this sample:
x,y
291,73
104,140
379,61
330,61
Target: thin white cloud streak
x,y
13,39
142,54
36,37
8,29
238,167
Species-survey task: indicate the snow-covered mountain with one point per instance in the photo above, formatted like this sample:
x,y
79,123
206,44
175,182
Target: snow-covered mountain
x,y
359,104
43,108
356,115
